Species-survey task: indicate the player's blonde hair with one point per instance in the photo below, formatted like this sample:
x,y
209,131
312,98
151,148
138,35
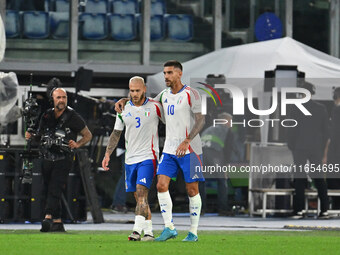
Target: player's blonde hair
x,y
137,79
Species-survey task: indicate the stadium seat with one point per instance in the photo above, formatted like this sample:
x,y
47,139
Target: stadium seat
x,y
93,26
125,6
97,6
35,24
157,27
59,25
158,7
12,24
123,27
180,27
62,5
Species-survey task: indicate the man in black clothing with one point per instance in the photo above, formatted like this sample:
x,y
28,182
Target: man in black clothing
x,y
332,151
57,132
307,141
217,145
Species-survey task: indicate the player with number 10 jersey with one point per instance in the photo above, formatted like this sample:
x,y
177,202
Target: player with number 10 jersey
x,y
179,110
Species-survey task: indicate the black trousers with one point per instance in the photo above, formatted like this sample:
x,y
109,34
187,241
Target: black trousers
x,y
300,158
334,183
55,175
212,157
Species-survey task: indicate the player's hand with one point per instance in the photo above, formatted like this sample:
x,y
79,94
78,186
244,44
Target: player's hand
x,y
105,163
28,135
182,148
72,144
119,106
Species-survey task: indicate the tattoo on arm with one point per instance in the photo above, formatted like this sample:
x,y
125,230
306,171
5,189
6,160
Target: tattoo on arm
x,y
113,141
199,123
86,136
142,207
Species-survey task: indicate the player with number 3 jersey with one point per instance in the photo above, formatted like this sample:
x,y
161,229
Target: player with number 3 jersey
x,y
140,118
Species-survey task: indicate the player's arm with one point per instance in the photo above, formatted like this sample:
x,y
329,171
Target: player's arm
x,y
158,98
119,106
160,112
199,124
162,118
111,146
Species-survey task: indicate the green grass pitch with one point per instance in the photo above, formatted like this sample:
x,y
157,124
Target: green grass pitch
x,y
25,242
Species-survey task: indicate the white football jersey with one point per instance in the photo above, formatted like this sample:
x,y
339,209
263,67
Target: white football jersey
x,y
141,134
179,110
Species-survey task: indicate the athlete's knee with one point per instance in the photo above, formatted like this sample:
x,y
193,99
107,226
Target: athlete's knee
x,y
163,183
192,190
162,186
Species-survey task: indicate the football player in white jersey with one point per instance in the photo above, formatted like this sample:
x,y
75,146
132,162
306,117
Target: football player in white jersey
x,y
140,118
182,149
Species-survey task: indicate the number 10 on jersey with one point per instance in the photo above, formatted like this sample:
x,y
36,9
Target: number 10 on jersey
x,y
171,109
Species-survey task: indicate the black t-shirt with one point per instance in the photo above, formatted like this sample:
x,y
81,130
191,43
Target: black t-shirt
x,y
311,132
70,123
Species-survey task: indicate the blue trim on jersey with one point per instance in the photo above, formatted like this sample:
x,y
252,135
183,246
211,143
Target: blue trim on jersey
x,y
146,100
184,86
189,164
140,173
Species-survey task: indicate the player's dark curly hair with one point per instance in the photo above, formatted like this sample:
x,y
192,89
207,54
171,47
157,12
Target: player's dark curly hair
x,y
174,63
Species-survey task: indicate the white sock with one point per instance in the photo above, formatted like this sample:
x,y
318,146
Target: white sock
x,y
148,228
195,204
165,204
139,223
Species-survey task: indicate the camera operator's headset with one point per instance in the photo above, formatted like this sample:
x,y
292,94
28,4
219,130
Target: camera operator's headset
x,y
51,95
50,98
54,83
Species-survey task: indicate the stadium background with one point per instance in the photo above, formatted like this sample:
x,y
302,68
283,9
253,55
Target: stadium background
x,y
115,43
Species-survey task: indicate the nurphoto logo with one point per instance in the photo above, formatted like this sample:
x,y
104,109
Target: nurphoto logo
x,y
238,102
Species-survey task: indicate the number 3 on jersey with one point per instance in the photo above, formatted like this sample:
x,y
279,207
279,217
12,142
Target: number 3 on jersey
x,y
138,122
171,109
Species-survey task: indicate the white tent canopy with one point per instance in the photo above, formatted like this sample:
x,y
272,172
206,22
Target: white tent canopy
x,y
245,65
